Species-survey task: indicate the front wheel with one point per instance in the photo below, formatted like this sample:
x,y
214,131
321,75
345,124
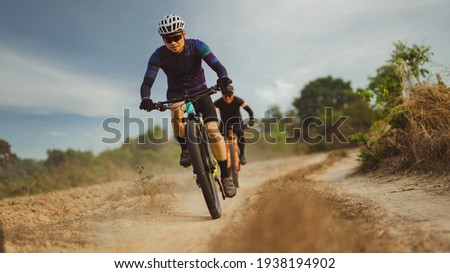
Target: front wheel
x,y
201,159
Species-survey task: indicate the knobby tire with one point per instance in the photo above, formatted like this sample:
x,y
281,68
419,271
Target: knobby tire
x,y
199,153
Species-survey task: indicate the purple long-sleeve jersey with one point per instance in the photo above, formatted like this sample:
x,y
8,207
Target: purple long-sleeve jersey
x,y
184,71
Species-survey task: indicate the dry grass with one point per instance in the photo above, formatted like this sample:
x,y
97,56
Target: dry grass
x,y
423,138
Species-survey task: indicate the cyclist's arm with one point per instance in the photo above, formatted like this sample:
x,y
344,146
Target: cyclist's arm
x,y
146,87
248,109
150,75
205,53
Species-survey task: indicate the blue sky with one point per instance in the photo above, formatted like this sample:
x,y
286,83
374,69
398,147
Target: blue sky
x,y
66,66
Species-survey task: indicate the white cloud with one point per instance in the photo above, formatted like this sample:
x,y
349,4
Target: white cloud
x,y
298,41
280,94
32,85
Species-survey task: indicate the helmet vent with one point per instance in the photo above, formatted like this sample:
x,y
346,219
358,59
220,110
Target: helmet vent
x,y
170,24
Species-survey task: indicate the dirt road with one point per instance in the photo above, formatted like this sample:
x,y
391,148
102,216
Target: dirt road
x,y
308,203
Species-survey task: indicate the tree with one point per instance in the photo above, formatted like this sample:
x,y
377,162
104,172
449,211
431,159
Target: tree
x,y
6,156
390,85
321,93
55,158
415,57
385,87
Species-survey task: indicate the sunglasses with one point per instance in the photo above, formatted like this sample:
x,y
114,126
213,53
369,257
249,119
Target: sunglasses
x,y
170,39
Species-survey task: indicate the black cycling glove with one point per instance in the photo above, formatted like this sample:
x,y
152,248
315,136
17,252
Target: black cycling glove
x,y
147,104
251,122
223,83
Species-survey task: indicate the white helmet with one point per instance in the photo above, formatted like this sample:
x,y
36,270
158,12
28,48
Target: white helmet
x,y
170,24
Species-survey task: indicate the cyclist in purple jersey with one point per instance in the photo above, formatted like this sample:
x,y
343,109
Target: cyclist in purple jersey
x,y
181,60
184,71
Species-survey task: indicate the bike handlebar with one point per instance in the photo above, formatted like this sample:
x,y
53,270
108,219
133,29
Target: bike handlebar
x,y
164,105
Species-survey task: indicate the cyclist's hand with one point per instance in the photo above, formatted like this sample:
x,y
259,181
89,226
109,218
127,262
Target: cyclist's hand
x,y
223,83
147,104
251,123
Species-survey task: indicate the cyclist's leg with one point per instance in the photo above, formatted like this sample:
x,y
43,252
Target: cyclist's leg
x,y
177,110
240,138
219,152
206,107
216,140
241,142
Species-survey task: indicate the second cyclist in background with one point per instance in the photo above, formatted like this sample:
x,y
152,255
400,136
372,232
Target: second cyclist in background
x,y
229,107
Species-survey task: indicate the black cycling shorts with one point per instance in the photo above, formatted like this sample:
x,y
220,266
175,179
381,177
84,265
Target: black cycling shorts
x,y
205,105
